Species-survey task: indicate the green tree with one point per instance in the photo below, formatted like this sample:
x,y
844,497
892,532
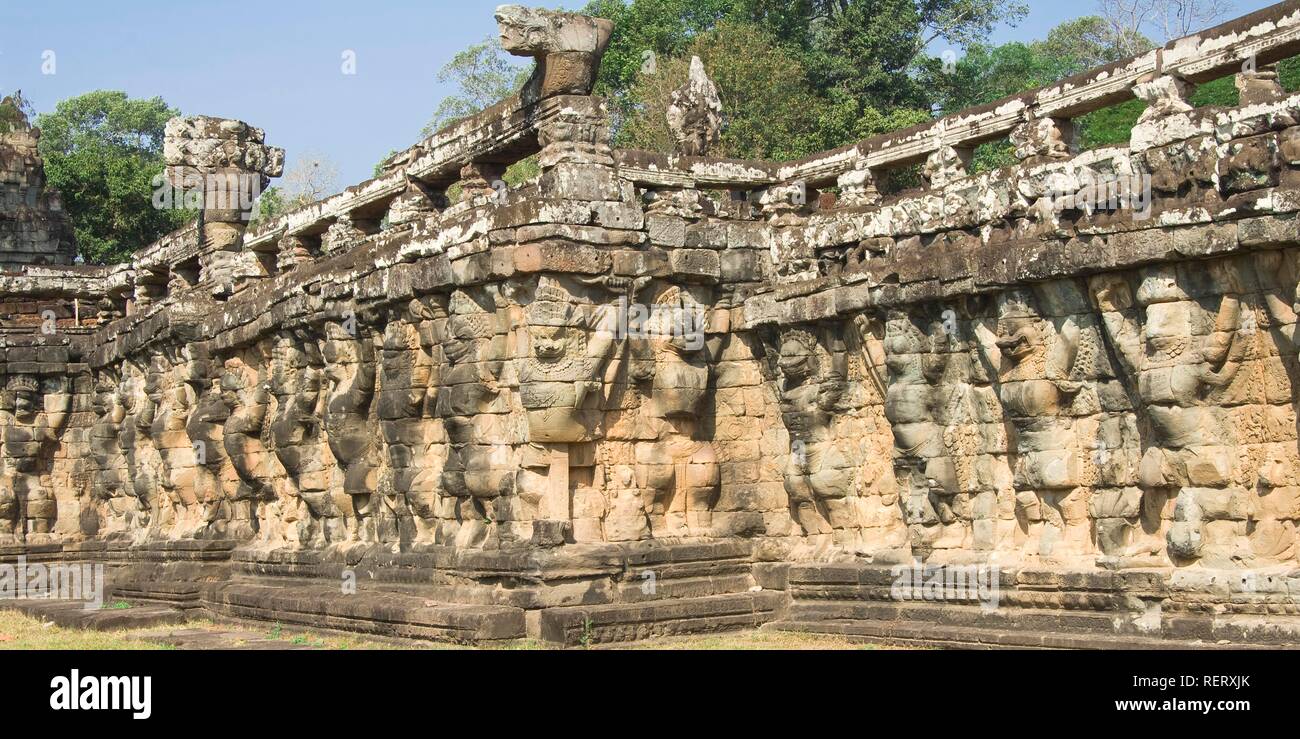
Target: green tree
x,y
483,74
270,204
869,49
858,56
15,112
987,73
771,110
102,151
781,123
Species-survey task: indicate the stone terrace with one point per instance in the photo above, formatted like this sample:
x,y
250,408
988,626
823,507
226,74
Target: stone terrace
x,y
648,394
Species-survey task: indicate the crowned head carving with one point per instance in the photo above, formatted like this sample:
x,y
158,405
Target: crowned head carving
x,y
1160,285
26,391
105,393
798,357
554,326
342,350
469,328
1019,326
238,381
291,356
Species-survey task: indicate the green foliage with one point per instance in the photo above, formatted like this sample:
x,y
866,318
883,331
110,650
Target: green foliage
x,y
1108,126
15,112
663,28
1112,126
379,165
483,74
1288,73
781,123
988,73
102,151
850,65
270,204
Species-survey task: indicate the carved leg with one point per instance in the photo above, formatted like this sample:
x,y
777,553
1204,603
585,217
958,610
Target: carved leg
x,y
703,480
1185,535
8,512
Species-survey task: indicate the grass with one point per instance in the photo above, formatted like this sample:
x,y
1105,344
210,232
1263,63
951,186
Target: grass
x,y
23,632
18,631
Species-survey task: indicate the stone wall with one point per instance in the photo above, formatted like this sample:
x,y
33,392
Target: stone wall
x,y
666,349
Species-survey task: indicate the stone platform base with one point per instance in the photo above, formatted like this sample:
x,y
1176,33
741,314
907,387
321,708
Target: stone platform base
x,y
1032,608
367,612
593,594
568,595
614,623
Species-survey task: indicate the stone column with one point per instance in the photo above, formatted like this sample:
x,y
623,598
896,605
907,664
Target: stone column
x,y
947,164
347,233
567,47
417,202
1165,95
1259,86
575,159
1042,140
479,179
229,161
294,250
858,185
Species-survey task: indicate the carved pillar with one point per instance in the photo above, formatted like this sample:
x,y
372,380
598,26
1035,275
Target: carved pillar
x,y
567,47
294,250
33,418
229,161
481,179
1259,86
858,185
417,202
561,389
1041,140
1165,95
947,164
350,373
575,158
347,233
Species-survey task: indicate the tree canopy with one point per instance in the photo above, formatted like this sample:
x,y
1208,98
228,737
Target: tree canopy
x,y
102,151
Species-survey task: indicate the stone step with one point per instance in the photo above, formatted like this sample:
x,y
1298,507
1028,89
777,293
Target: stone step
x,y
180,595
75,615
921,634
1065,627
224,639
963,615
625,622
366,611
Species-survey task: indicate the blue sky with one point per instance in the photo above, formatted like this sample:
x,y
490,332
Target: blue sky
x,y
277,64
